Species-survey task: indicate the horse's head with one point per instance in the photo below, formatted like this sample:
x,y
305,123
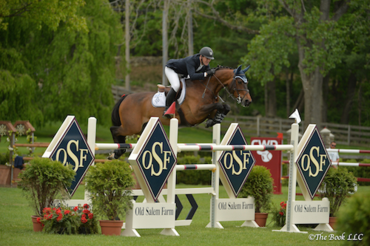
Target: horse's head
x,y
239,87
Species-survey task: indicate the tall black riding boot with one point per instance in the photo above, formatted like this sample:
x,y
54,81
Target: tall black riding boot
x,y
170,98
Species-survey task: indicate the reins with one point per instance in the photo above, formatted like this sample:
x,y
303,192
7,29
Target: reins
x,y
226,88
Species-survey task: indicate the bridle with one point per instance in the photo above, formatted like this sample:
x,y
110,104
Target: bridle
x,y
239,99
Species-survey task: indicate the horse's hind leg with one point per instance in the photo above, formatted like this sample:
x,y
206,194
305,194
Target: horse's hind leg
x,y
117,139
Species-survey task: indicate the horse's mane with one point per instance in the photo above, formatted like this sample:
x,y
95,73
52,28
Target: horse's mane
x,y
219,67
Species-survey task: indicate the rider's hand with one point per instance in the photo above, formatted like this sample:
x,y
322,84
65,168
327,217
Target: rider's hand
x,y
211,72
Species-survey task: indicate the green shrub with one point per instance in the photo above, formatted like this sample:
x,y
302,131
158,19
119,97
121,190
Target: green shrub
x,y
260,186
193,176
110,186
279,214
4,158
361,172
42,180
354,218
337,185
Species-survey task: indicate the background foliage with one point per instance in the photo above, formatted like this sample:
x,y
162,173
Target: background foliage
x,y
51,69
58,57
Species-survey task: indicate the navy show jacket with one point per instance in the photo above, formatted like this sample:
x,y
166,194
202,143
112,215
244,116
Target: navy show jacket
x,y
188,66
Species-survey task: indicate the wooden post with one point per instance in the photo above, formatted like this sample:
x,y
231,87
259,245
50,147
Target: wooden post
x,y
190,30
127,44
164,41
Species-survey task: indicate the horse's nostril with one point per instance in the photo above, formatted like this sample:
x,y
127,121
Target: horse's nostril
x,y
247,103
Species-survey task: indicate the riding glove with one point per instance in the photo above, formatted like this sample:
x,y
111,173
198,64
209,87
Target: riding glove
x,y
211,72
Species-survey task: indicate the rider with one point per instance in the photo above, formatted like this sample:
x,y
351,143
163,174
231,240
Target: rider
x,y
196,67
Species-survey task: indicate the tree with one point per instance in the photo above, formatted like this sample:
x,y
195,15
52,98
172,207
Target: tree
x,y
43,13
68,70
316,31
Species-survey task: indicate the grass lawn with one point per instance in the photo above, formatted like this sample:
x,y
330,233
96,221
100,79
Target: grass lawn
x,y
16,228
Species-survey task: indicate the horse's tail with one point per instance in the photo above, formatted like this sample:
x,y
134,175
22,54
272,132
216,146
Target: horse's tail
x,y
116,121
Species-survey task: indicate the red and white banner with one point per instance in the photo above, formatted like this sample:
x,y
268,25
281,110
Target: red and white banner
x,y
269,158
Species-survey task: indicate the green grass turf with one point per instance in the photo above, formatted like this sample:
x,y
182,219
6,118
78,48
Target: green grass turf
x,y
16,227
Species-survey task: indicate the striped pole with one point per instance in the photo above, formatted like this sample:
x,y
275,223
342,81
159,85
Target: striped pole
x,y
349,151
196,167
114,146
214,147
345,164
349,164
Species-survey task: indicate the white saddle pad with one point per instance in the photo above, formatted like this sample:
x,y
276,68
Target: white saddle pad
x,y
159,98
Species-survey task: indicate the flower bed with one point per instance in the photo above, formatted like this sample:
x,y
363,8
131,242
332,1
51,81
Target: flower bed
x,y
61,220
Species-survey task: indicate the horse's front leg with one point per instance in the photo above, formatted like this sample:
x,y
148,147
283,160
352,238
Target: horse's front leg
x,y
221,110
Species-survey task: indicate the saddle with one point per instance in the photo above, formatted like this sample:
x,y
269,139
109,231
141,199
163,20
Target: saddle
x,y
159,98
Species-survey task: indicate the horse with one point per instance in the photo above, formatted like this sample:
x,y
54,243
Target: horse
x,y
202,101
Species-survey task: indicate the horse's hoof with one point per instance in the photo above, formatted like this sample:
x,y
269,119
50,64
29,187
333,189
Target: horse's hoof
x,y
111,156
209,123
168,116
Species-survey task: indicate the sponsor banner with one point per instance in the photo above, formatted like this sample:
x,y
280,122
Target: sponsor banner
x,y
70,147
234,209
313,161
237,164
269,159
153,215
311,212
155,159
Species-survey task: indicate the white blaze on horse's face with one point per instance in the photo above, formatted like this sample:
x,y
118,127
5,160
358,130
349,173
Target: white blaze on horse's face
x,y
241,87
244,97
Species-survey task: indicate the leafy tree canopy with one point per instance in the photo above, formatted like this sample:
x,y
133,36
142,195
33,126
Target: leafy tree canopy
x,y
54,71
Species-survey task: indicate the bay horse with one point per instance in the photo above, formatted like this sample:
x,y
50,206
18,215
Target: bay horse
x,y
131,113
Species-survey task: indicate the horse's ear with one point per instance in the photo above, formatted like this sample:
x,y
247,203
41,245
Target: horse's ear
x,y
245,70
236,71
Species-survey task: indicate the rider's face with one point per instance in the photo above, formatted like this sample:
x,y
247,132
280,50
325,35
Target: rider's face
x,y
205,61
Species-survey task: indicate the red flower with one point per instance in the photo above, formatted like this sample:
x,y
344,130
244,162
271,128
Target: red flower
x,y
90,215
83,216
67,212
83,220
75,208
50,217
281,213
46,210
54,209
85,211
39,220
85,206
60,217
58,211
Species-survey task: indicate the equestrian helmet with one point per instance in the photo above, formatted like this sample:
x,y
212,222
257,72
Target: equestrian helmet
x,y
207,52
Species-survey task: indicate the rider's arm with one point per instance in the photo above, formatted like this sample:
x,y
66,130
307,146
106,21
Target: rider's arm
x,y
191,66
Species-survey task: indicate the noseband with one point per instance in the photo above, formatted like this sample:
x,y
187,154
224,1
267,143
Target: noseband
x,y
233,88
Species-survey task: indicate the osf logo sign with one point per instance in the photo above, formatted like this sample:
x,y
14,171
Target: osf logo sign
x,y
269,159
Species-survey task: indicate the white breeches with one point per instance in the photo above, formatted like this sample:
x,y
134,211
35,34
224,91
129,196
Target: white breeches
x,y
173,78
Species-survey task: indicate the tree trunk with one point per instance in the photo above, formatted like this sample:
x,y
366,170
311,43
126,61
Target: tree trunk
x,y
270,99
351,90
312,87
287,84
325,99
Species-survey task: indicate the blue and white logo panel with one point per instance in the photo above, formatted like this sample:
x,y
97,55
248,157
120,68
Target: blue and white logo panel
x,y
72,149
156,160
313,162
236,164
